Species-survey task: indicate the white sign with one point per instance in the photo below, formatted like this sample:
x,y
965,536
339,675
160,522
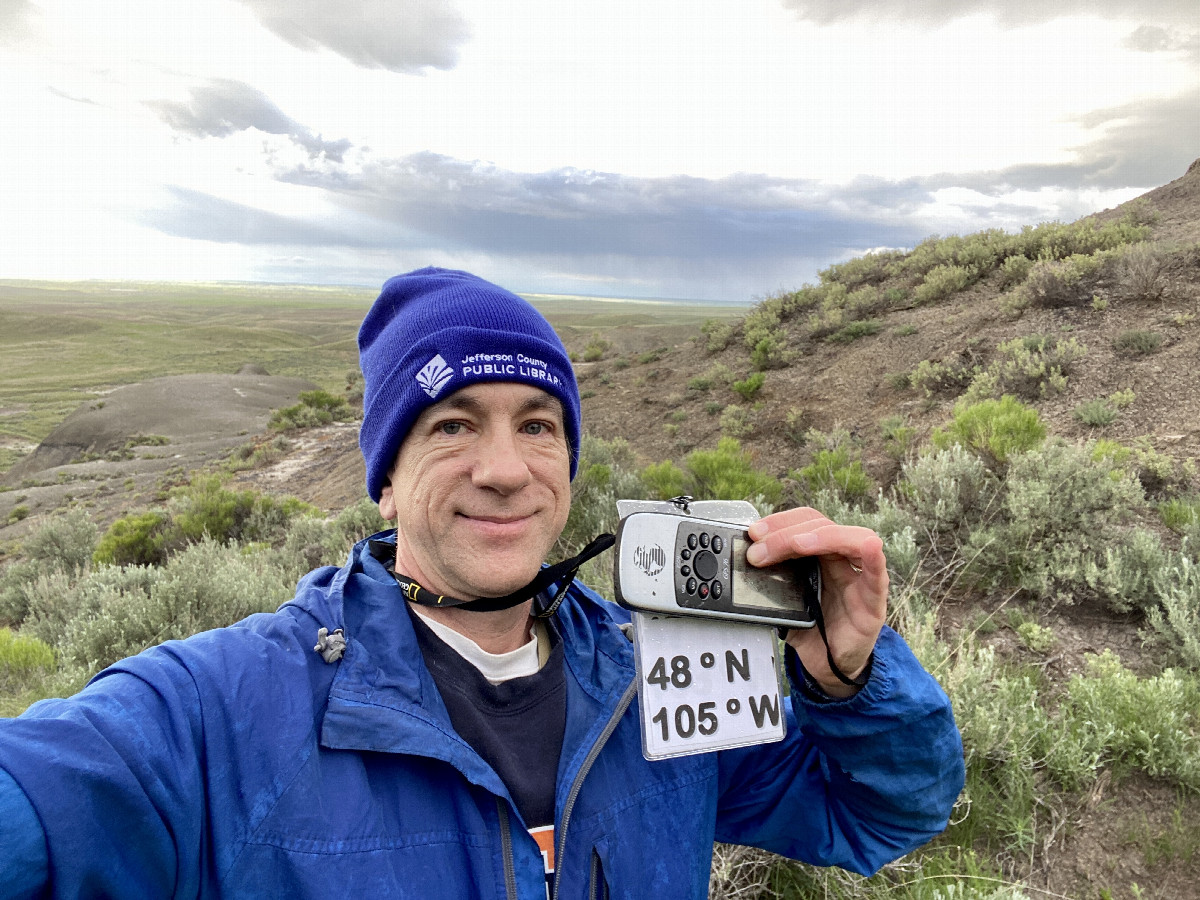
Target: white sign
x,y
705,685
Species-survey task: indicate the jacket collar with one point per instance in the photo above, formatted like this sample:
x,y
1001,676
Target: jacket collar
x,y
383,698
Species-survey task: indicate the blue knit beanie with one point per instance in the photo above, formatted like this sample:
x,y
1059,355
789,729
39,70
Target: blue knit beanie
x,y
434,331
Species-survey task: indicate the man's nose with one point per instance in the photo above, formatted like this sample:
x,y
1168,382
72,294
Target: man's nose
x,y
501,464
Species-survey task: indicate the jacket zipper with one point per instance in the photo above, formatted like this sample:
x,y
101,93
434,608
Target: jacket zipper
x,y
577,784
506,848
597,889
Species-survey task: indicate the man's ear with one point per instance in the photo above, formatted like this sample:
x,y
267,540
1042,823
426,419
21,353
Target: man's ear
x,y
387,503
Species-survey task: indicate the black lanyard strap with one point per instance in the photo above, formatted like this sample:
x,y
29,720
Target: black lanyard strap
x,y
385,552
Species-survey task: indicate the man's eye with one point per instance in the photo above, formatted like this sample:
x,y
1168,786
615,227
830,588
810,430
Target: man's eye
x,y
535,427
451,427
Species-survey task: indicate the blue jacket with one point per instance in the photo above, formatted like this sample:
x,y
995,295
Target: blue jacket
x,y
238,763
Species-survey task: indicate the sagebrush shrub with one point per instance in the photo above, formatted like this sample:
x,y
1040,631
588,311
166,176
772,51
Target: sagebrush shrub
x,y
1137,342
1061,512
1096,413
942,281
205,586
1142,272
750,385
948,492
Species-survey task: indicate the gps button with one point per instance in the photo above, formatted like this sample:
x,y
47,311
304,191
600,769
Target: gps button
x,y
705,566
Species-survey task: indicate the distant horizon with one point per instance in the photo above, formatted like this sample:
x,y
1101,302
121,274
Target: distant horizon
x,y
115,285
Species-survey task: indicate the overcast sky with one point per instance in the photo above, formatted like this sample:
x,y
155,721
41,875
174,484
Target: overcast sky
x,y
707,149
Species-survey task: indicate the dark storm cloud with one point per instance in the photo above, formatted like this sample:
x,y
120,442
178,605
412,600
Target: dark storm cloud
x,y
1007,12
568,212
221,107
204,217
400,35
1142,145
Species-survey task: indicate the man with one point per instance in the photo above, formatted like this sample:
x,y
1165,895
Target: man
x,y
441,741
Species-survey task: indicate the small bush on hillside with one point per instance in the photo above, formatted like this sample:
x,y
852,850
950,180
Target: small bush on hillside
x,y
1029,367
24,661
836,470
898,436
749,386
595,349
1096,413
1053,283
728,473
207,508
717,334
870,268
949,492
137,539
942,281
1014,270
771,352
856,330
362,519
737,421
205,586
940,378
64,544
993,429
1176,619
1142,272
1137,342
1061,512
315,408
1180,514
664,480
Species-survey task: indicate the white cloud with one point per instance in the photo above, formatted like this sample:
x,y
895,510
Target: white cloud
x,y
400,35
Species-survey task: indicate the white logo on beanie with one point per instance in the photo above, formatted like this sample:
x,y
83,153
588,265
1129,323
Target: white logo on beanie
x,y
434,376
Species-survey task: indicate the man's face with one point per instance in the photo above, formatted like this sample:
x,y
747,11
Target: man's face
x,y
480,490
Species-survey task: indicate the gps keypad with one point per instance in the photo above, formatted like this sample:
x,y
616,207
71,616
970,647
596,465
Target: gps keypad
x,y
698,565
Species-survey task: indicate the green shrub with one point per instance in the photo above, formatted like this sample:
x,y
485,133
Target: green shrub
x,y
1056,282
24,660
993,429
64,543
749,386
362,519
870,268
728,473
898,436
138,539
1096,413
206,508
1137,342
595,349
855,330
663,480
1180,513
942,281
699,383
18,514
315,408
717,334
1014,270
837,470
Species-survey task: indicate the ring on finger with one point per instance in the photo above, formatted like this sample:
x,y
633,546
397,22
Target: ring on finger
x,y
857,569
